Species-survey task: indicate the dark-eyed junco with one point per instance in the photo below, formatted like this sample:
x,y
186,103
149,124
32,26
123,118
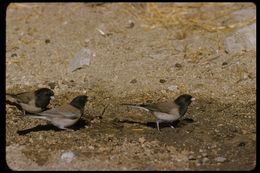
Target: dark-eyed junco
x,y
32,102
167,111
65,115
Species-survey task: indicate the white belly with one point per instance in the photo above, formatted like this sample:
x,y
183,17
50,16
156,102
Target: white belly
x,y
166,117
31,109
63,122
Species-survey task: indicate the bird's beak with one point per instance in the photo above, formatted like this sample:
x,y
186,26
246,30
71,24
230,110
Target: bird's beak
x,y
192,99
52,97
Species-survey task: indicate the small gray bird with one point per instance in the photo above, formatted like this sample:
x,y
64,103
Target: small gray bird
x,y
32,102
65,115
167,111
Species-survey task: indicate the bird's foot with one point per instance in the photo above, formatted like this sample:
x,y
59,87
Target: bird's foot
x,y
67,129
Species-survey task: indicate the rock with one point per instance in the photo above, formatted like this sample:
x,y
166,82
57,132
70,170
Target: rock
x,y
241,144
224,63
68,156
242,39
220,159
178,65
191,157
130,24
205,160
141,140
198,162
244,14
83,57
47,41
162,80
173,88
133,81
204,154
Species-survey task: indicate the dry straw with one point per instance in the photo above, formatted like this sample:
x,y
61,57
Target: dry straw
x,y
188,16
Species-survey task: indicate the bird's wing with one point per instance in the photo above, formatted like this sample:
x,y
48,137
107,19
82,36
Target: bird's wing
x,y
165,107
25,97
65,111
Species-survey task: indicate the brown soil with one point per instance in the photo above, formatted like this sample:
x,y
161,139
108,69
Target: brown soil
x,y
133,64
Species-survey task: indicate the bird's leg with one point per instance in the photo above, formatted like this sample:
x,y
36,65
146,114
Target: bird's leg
x,y
157,123
64,128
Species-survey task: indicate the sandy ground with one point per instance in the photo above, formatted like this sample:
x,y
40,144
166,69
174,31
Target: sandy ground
x,y
132,64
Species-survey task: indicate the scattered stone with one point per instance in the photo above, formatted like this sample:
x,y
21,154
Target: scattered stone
x,y
241,144
204,154
68,156
162,80
14,55
130,24
224,63
243,39
82,58
178,65
173,88
141,140
198,163
133,81
191,157
47,41
205,160
220,159
91,147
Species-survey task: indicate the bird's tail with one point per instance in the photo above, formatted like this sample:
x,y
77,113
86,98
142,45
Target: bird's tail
x,y
36,116
10,98
140,106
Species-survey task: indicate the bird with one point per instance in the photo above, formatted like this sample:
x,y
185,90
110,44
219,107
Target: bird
x,y
65,115
31,102
167,111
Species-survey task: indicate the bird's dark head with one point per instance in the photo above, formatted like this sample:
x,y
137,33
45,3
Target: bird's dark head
x,y
79,101
43,97
184,100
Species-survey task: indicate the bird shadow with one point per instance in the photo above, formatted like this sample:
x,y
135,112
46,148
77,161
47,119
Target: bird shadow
x,y
175,124
79,125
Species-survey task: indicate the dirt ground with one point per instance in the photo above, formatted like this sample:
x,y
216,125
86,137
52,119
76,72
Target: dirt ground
x,y
136,61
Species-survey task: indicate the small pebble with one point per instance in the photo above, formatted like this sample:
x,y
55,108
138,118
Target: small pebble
x,y
204,154
91,147
47,41
133,81
131,24
241,144
224,63
178,65
162,80
141,140
14,55
173,88
68,156
220,159
205,160
214,146
191,157
198,163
